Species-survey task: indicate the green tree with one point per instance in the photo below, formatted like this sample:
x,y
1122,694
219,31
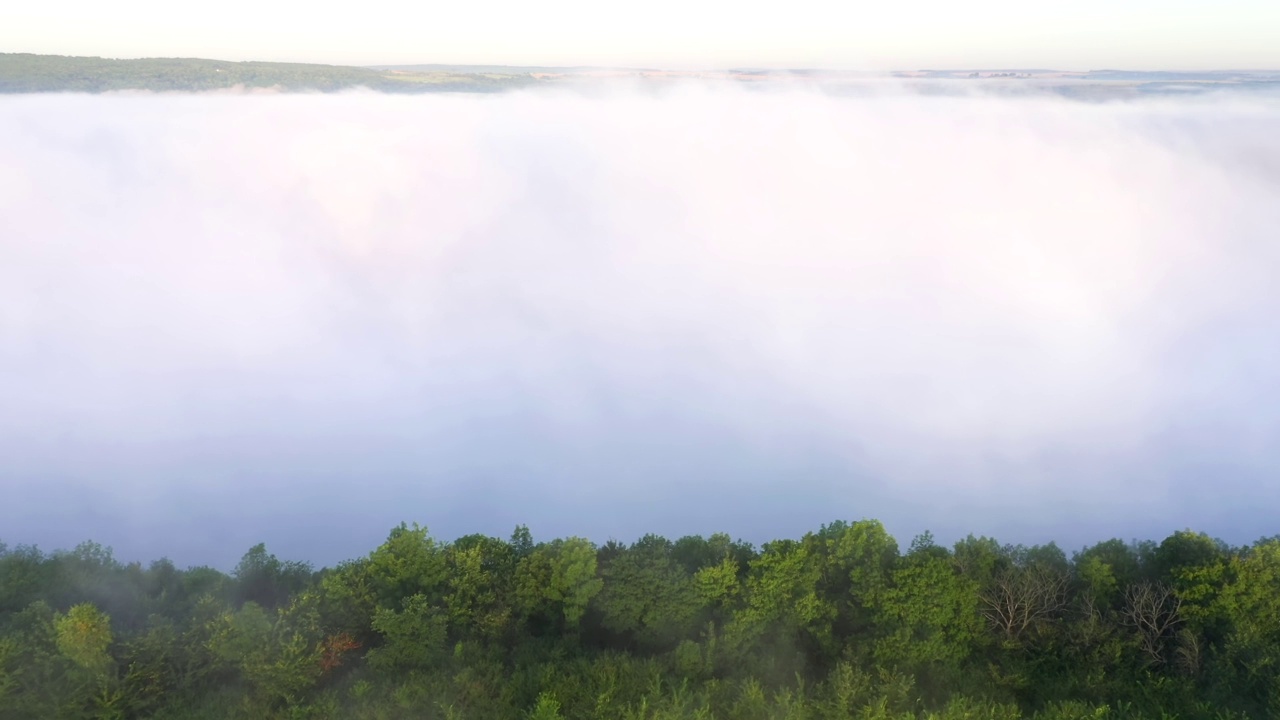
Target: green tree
x,y
546,708
264,579
481,573
83,635
573,578
930,614
647,597
409,563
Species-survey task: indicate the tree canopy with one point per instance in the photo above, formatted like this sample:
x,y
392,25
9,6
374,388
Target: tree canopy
x,y
839,624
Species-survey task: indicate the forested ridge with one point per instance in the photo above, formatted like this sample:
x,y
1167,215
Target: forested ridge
x,y
27,73
842,623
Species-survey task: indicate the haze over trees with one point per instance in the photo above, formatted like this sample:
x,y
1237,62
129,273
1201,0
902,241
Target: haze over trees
x,y
841,623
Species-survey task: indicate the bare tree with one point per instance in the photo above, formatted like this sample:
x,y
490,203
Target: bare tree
x,y
1154,610
1024,597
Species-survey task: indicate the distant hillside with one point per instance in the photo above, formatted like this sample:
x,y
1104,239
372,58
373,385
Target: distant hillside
x,y
26,73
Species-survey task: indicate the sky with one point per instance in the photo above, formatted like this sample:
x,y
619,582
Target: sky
x,y
942,34
302,319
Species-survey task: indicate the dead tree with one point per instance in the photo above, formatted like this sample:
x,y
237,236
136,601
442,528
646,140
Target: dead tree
x,y
1154,610
1022,598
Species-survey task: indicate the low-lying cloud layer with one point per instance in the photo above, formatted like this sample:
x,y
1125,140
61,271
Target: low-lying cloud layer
x,y
302,319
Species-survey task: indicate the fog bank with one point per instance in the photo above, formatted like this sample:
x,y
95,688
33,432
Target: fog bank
x,y
302,319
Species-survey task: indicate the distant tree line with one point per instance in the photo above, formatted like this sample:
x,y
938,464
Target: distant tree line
x,y
837,625
27,73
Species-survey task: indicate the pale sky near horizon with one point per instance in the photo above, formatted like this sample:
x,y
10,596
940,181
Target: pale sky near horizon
x,y
1076,35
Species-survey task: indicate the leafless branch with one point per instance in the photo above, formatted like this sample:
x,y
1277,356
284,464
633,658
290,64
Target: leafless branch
x,y
1023,597
1154,611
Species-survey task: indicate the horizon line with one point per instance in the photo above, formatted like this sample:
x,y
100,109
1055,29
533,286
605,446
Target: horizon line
x,y
737,67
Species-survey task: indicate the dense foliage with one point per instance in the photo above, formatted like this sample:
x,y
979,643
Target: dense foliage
x,y
839,624
25,73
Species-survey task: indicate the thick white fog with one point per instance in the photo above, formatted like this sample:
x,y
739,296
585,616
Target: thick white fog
x,y
302,319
